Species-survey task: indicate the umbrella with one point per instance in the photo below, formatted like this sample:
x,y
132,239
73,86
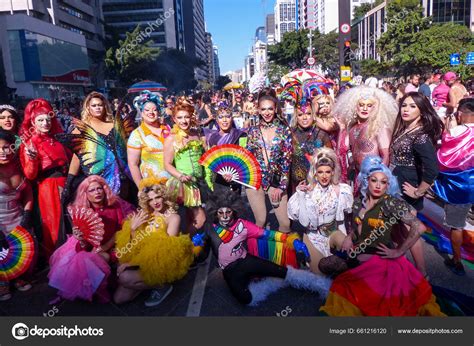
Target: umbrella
x,y
301,75
146,85
233,85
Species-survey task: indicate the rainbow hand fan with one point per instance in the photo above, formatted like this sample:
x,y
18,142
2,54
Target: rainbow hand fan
x,y
89,223
17,257
236,161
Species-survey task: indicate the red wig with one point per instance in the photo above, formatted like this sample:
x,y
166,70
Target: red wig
x,y
32,110
81,195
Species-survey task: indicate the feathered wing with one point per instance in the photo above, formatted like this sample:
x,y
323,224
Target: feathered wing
x,y
98,157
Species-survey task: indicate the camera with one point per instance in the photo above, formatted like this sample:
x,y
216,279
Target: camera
x,y
21,332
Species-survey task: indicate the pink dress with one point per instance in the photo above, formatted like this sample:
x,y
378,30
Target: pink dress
x,y
78,273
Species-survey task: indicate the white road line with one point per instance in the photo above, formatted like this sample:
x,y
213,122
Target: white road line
x,y
199,287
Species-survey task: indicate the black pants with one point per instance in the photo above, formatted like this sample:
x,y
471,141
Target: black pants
x,y
239,273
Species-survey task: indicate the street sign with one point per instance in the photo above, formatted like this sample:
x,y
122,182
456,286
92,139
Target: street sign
x,y
345,73
470,58
455,59
345,28
311,61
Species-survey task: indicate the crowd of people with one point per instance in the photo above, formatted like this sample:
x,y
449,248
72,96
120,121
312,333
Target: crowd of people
x,y
353,170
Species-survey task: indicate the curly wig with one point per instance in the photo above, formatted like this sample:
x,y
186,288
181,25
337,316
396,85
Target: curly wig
x,y
386,108
220,199
146,96
35,108
157,185
183,104
324,157
371,165
81,195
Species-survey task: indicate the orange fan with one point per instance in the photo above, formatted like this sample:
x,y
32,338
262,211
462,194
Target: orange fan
x,y
89,224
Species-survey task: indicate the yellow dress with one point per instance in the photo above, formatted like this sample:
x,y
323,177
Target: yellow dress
x,y
162,259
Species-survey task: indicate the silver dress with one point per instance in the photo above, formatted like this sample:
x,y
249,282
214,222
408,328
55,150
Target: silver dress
x,y
11,208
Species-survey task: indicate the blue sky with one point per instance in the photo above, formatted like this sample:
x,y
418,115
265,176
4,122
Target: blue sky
x,y
232,24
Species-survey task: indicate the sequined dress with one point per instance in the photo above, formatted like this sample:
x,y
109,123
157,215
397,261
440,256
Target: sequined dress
x,y
413,160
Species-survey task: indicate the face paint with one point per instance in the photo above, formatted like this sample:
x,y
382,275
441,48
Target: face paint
x,y
225,216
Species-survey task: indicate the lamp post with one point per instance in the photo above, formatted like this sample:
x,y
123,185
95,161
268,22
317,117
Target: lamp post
x,y
310,48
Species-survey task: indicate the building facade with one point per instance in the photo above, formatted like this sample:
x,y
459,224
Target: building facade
x,y
217,69
270,28
158,20
195,34
455,11
52,48
285,18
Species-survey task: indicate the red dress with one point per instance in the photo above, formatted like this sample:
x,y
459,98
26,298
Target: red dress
x,y
49,169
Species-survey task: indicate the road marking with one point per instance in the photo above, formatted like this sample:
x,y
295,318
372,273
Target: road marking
x,y
199,287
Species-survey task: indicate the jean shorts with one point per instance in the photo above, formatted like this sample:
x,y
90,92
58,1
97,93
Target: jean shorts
x,y
456,215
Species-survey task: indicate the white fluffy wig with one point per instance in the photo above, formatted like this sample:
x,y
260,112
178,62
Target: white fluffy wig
x,y
345,109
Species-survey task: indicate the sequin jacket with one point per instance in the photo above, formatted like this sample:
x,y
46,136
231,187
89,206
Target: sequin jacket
x,y
414,158
279,154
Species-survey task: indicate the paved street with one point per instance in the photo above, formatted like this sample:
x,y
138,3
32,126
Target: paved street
x,y
203,292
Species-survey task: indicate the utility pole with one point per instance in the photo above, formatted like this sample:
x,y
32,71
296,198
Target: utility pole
x,y
310,48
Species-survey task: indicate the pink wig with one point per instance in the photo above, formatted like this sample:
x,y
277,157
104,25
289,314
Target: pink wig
x,y
81,195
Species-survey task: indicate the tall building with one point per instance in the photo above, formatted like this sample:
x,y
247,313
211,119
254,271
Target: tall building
x,y
270,28
217,69
52,48
260,34
457,11
285,18
209,66
160,21
308,14
195,34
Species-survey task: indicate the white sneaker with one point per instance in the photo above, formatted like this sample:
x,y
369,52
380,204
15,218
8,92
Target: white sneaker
x,y
158,295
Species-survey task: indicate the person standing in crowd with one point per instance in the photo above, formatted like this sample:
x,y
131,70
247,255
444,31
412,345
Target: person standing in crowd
x,y
204,111
425,85
440,94
321,204
16,203
457,92
99,142
145,145
454,186
307,137
270,143
168,113
413,83
190,182
413,154
368,115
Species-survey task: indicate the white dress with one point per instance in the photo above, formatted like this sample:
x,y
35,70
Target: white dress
x,y
319,207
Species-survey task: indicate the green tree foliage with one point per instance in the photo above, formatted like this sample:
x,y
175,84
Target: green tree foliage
x,y
362,9
372,68
222,81
133,59
275,72
292,51
433,46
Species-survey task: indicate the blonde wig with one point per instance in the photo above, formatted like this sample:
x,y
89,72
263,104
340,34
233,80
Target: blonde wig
x,y
107,114
345,109
157,185
301,108
324,157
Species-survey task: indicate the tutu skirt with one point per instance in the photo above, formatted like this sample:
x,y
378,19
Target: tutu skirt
x,y
187,194
77,274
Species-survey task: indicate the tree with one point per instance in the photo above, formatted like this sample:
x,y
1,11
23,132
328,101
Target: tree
x,y
362,9
292,51
222,81
404,20
132,59
370,67
275,72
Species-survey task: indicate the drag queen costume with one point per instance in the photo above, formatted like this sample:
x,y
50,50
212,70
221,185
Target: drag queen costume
x,y
186,157
45,161
368,115
384,283
77,269
322,210
160,258
245,251
147,142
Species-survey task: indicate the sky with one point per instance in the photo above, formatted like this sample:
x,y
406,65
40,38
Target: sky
x,y
232,24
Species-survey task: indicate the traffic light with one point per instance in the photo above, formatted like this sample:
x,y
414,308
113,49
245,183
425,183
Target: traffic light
x,y
347,53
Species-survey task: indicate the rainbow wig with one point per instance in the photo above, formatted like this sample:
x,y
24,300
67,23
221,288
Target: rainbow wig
x,y
146,96
371,165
